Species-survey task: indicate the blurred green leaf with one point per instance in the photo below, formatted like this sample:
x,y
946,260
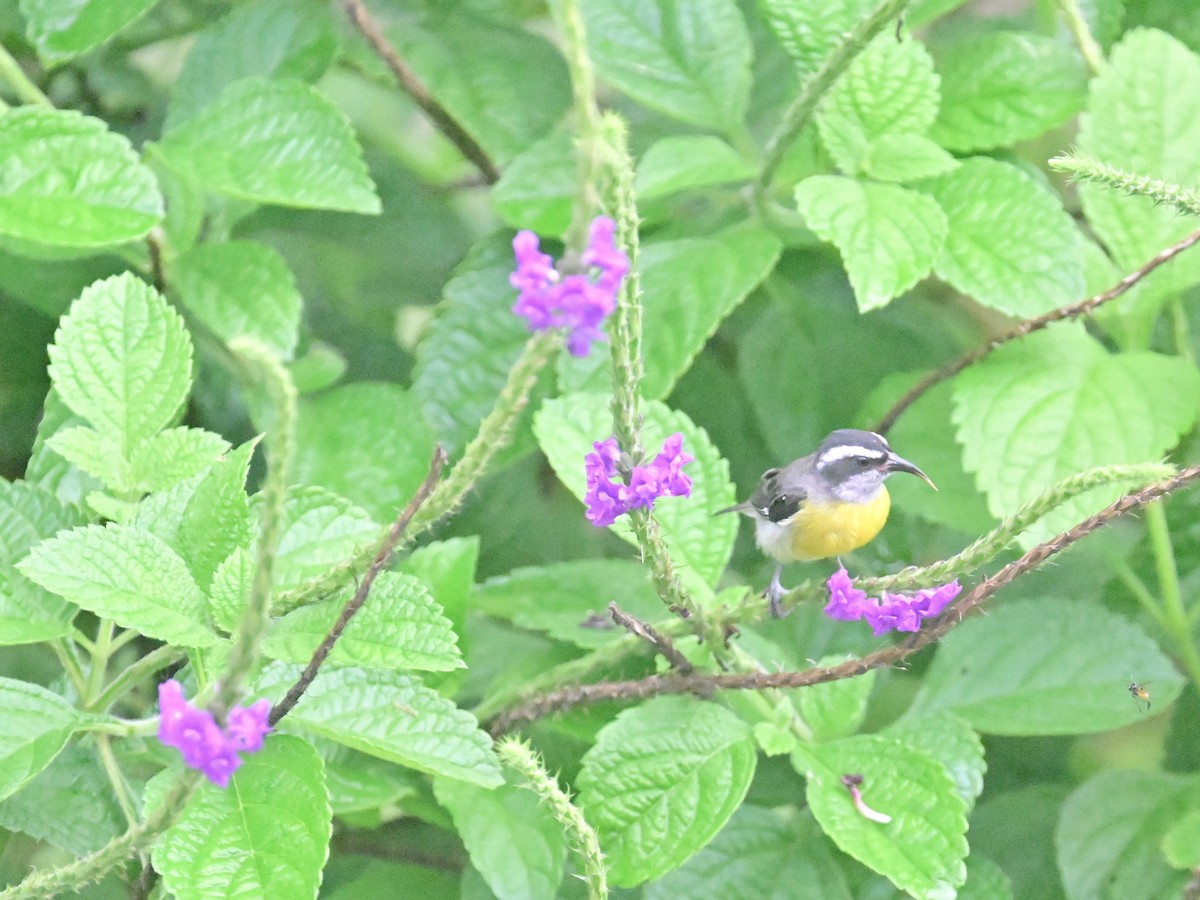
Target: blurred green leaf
x,y
37,724
378,878
1181,843
1045,666
689,59
661,782
810,31
1005,87
265,836
835,709
62,30
1016,830
319,530
685,161
905,157
536,189
951,741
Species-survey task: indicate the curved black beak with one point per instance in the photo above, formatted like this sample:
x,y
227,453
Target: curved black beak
x,y
900,464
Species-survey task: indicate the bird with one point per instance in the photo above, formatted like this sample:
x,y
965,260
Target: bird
x,y
824,504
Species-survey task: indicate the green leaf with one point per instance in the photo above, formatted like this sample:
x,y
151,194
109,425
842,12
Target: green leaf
x,y
1110,830
127,575
985,881
28,612
366,877
536,189
513,839
1181,843
400,626
447,569
70,182
888,89
1045,666
1057,403
464,358
1016,829
61,30
265,836
122,358
759,855
1010,244
905,157
277,142
569,600
69,804
952,742
1006,86
37,724
1143,115
835,709
358,782
320,529
173,456
810,31
700,543
661,781
921,850
391,716
689,59
230,589
888,236
47,469
240,289
686,161
367,442
272,38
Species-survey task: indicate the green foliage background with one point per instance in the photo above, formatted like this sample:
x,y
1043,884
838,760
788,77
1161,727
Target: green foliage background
x,y
248,283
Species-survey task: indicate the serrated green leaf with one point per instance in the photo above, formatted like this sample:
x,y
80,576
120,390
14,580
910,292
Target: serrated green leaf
x,y
1143,115
569,601
275,141
835,709
1010,244
921,850
513,839
810,31
759,855
400,626
266,835
122,358
367,442
70,182
240,289
1181,843
689,59
127,575
1006,86
514,92
272,38
464,359
391,716
685,161
1045,666
61,30
48,470
700,543
1109,834
888,236
172,456
28,612
358,782
319,530
536,189
37,724
905,157
229,591
661,781
888,89
69,804
447,568
1057,403
952,742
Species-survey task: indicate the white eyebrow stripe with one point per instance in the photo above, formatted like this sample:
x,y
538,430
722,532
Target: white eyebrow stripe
x,y
833,454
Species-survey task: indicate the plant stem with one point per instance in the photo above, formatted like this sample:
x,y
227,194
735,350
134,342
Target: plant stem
x,y
100,655
116,778
1078,26
156,659
1175,616
70,662
14,76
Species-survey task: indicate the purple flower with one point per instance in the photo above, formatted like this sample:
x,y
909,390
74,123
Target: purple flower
x,y
608,496
895,612
203,745
578,303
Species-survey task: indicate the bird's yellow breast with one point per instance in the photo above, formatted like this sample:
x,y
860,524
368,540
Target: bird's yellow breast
x,y
831,529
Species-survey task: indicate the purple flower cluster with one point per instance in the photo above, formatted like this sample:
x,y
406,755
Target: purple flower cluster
x,y
895,612
574,302
608,496
194,733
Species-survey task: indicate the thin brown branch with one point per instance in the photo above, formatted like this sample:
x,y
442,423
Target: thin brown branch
x,y
1074,311
646,631
354,604
703,685
370,29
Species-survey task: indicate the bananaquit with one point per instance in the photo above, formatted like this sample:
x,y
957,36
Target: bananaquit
x,y
824,504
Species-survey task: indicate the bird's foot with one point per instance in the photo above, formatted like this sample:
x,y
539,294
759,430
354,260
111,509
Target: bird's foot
x,y
775,593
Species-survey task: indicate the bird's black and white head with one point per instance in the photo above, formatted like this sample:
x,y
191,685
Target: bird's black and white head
x,y
853,464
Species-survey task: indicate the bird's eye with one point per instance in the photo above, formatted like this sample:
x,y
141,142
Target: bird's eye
x,y
862,461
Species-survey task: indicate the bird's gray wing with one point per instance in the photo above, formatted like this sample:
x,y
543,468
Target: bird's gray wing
x,y
778,497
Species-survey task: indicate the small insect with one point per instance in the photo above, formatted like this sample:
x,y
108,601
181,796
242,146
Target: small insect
x,y
1139,693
